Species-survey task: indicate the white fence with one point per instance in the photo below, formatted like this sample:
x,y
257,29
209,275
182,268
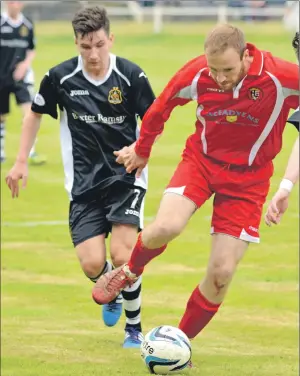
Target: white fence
x,y
159,13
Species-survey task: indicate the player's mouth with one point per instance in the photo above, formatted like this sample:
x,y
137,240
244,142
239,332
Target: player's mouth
x,y
226,85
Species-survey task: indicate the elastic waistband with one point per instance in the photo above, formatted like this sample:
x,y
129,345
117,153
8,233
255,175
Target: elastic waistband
x,y
235,167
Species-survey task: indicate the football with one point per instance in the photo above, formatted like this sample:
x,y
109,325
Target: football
x,y
166,350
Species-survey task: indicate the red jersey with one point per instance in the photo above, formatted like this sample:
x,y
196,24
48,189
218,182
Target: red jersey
x,y
243,126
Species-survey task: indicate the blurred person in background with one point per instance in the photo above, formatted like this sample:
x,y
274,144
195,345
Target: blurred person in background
x,y
17,46
100,96
280,201
291,16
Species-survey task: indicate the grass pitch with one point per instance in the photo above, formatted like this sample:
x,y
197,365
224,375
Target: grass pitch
x,y
51,327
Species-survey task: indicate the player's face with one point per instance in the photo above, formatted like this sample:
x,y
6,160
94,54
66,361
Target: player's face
x,y
14,8
94,49
228,68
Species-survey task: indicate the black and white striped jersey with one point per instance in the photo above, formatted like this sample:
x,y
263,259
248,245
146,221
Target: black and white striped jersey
x,y
96,118
16,38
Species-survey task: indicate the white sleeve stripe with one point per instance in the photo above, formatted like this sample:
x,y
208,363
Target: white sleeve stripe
x,y
27,23
122,75
114,67
271,122
190,92
184,93
287,92
78,68
194,92
3,20
262,63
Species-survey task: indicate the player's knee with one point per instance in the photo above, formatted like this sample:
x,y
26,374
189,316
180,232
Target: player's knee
x,y
121,256
120,251
221,274
167,229
92,265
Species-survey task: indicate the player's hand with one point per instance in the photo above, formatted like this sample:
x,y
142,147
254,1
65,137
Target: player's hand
x,y
20,71
122,152
277,207
18,172
128,157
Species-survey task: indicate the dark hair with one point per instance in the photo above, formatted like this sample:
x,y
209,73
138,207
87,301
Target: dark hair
x,y
295,44
90,19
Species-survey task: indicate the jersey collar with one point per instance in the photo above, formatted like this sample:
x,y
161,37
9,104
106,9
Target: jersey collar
x,y
256,67
11,22
112,64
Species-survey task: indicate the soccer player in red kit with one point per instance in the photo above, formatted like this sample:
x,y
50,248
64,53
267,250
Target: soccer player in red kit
x,y
244,96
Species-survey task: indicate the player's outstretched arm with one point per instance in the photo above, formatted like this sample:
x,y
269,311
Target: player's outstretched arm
x,y
23,66
178,92
280,200
19,171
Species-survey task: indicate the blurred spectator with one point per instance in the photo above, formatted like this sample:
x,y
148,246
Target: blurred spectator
x,y
255,4
147,3
236,3
291,17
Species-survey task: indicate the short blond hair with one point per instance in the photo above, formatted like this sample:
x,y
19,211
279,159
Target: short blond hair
x,y
223,37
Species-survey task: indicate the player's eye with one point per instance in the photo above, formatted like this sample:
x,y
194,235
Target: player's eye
x,y
228,70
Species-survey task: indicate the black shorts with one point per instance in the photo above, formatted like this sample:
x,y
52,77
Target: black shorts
x,y
23,93
117,205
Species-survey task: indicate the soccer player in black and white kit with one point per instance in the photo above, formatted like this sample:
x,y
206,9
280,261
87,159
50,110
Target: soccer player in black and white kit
x,y
99,96
16,76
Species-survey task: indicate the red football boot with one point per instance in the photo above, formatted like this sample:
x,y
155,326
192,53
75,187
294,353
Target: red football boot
x,y
109,286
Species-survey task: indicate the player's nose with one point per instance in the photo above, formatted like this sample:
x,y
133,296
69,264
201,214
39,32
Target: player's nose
x,y
93,54
221,78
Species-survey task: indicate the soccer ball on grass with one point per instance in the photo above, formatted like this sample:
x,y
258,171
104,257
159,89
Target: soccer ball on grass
x,y
166,350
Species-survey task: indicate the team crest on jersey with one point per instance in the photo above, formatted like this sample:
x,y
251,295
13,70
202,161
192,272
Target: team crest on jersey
x,y
24,31
115,96
255,93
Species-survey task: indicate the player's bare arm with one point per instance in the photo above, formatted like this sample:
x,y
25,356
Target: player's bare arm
x,y
131,160
176,93
23,66
19,171
280,200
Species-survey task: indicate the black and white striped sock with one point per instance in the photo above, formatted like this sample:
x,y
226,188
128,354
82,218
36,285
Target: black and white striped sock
x,y
2,138
108,267
132,305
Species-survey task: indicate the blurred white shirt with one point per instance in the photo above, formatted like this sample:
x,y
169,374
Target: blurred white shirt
x,y
291,17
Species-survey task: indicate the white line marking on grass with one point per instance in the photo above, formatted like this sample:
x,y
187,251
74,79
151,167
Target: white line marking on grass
x,y
44,223
65,223
35,224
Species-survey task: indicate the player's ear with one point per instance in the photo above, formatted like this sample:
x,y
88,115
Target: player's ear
x,y
246,54
111,38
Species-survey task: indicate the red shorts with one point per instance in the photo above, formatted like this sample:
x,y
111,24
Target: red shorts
x,y
239,193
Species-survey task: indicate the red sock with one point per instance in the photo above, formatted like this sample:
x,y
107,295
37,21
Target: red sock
x,y
199,311
141,256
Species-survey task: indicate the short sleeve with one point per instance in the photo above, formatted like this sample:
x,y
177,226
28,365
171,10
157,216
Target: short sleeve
x,y
45,101
31,44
